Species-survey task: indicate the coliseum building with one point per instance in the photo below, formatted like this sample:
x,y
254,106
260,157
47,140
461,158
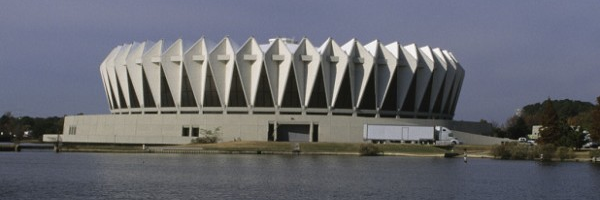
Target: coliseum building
x,y
283,90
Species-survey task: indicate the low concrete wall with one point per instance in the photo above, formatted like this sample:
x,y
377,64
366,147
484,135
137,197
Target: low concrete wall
x,y
470,138
50,138
167,128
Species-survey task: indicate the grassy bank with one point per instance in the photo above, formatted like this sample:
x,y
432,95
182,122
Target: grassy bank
x,y
263,147
547,152
321,147
102,148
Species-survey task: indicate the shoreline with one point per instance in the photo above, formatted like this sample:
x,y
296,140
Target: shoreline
x,y
279,148
247,152
289,148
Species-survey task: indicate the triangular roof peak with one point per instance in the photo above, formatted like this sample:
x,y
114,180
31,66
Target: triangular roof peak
x,y
426,50
412,50
394,48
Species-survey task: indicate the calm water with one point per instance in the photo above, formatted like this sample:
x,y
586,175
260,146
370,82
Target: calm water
x,y
47,175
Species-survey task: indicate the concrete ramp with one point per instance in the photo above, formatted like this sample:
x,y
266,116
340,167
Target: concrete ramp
x,y
50,138
293,133
470,138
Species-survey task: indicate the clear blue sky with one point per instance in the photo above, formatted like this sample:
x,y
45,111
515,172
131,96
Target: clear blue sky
x,y
514,52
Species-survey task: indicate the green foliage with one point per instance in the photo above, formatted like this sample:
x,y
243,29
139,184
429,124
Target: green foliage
x,y
565,108
518,129
570,112
499,132
594,128
570,137
37,125
208,136
555,124
7,123
368,149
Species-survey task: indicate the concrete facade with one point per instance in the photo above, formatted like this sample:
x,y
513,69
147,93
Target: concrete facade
x,y
167,128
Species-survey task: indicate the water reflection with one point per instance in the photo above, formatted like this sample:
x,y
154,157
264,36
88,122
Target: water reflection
x,y
37,175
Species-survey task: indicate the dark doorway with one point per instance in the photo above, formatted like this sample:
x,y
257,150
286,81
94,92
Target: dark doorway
x,y
293,132
270,133
315,134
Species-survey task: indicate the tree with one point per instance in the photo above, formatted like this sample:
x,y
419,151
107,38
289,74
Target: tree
x,y
39,126
595,125
576,113
7,123
209,136
583,119
570,137
550,132
518,128
497,131
565,108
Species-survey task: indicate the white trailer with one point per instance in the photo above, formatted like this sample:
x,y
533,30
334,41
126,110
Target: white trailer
x,y
410,134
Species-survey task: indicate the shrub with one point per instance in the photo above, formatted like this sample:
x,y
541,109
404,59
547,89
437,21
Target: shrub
x,y
547,150
368,149
209,136
513,150
533,153
501,151
564,153
204,140
519,151
594,153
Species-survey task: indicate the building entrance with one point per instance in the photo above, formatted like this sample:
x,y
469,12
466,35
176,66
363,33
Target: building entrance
x,y
293,132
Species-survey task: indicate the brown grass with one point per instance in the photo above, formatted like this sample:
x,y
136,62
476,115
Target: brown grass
x,y
319,147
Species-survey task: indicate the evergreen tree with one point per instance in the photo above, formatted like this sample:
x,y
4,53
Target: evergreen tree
x,y
570,136
550,132
595,125
7,123
518,129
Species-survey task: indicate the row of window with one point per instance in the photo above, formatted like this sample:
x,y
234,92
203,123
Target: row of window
x,y
188,131
72,130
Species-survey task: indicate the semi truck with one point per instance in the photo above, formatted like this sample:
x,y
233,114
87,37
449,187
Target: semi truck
x,y
438,135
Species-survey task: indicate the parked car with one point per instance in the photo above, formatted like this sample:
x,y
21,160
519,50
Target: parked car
x,y
590,145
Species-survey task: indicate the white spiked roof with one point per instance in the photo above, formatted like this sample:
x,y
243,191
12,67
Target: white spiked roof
x,y
356,78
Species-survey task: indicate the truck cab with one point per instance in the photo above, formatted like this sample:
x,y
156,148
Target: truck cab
x,y
444,136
